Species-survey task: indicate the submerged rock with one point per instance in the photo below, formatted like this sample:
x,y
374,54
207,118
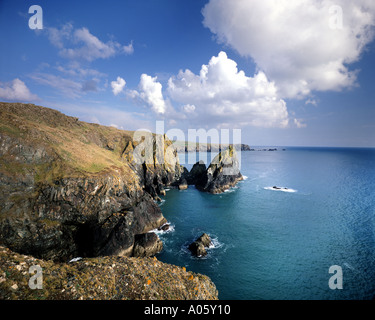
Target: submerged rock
x,y
198,247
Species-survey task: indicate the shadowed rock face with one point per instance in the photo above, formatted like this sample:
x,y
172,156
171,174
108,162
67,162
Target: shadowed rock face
x,y
197,174
147,245
70,188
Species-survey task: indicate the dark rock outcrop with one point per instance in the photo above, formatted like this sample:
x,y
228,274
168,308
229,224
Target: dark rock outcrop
x,y
197,174
147,245
222,174
198,247
244,147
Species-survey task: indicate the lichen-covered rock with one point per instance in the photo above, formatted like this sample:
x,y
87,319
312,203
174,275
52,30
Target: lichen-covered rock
x,y
110,277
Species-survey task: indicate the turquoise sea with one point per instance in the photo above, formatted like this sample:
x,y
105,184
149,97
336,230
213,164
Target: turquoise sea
x,y
274,244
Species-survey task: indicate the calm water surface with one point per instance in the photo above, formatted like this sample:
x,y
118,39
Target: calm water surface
x,y
280,244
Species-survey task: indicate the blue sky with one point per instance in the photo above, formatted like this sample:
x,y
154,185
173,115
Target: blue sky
x,y
289,73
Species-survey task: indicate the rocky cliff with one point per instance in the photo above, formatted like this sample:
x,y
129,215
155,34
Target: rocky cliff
x,y
70,188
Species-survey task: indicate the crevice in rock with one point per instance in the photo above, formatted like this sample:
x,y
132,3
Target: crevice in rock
x,y
85,239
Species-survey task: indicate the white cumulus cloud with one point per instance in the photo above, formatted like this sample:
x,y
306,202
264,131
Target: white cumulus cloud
x,y
118,85
150,92
302,45
16,91
221,93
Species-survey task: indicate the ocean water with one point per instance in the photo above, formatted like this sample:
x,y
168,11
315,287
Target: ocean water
x,y
280,244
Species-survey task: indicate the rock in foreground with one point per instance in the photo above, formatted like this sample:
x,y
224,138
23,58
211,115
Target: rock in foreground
x,y
112,277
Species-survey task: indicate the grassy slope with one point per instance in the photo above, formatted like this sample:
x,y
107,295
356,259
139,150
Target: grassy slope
x,y
79,147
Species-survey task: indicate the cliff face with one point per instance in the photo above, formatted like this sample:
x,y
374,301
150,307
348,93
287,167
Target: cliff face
x,y
70,188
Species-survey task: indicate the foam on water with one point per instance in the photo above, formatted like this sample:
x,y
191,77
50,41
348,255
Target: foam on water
x,y
346,264
283,189
231,189
161,202
215,243
159,231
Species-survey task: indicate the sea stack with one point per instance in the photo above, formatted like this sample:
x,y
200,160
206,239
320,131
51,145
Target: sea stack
x,y
222,174
198,247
